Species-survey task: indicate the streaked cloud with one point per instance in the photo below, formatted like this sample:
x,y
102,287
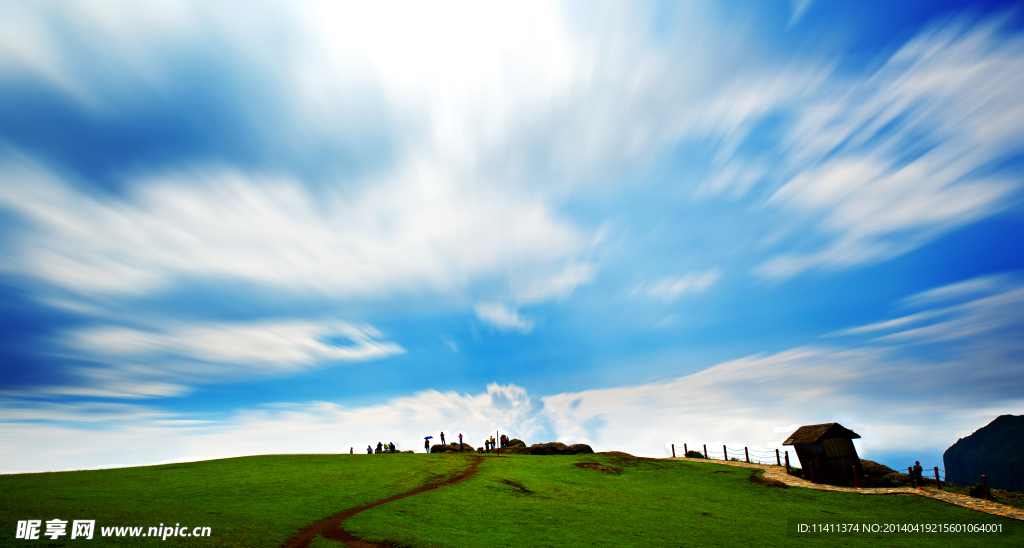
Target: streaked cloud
x,y
503,317
261,347
172,358
670,288
881,164
415,231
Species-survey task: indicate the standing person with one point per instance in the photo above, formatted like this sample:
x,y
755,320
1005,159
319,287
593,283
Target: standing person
x,y
392,444
351,449
426,445
380,447
442,438
918,476
492,442
369,450
461,450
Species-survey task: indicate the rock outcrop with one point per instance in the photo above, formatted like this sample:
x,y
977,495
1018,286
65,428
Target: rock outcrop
x,y
995,450
557,448
451,448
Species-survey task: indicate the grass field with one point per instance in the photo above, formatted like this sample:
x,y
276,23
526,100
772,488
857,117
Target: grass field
x,y
651,503
531,501
249,502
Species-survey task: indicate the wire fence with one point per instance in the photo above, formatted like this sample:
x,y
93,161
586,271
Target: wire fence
x,y
761,456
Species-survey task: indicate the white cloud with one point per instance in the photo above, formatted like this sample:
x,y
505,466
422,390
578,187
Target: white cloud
x,y
897,404
503,317
316,427
556,287
975,286
887,324
883,164
695,282
267,347
982,310
797,10
168,359
415,232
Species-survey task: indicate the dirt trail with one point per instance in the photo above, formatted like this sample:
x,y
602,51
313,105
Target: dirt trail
x,y
332,527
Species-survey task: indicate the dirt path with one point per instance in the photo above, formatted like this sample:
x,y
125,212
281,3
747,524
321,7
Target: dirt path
x,y
332,527
779,473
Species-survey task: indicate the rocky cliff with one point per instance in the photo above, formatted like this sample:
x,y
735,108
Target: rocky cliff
x,y
996,450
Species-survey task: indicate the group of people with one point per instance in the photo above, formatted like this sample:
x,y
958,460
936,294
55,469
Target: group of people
x,y
381,448
489,442
426,443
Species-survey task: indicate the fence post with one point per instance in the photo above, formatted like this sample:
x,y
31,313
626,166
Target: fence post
x,y
685,451
673,450
705,450
725,454
788,471
856,484
910,470
777,461
937,482
984,486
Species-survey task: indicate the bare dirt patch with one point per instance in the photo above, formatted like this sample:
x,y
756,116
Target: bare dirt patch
x,y
766,481
518,486
599,467
332,528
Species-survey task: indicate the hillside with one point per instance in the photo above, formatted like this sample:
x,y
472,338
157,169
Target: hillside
x,y
517,500
996,450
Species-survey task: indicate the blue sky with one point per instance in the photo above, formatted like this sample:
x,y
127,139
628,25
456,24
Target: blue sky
x,y
230,230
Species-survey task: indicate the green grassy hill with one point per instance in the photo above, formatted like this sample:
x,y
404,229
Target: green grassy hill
x,y
511,501
250,502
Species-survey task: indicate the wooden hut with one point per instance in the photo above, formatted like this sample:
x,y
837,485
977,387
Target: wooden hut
x,y
828,448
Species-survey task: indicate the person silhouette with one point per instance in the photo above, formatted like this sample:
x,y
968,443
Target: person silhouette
x,y
442,438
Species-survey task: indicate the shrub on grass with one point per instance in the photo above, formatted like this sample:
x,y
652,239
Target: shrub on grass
x,y
880,475
694,454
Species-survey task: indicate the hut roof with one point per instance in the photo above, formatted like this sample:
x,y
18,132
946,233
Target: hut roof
x,y
816,432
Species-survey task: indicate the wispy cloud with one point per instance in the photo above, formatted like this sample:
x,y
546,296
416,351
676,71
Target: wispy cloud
x,y
503,317
670,288
267,346
982,311
797,10
169,359
417,231
882,163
